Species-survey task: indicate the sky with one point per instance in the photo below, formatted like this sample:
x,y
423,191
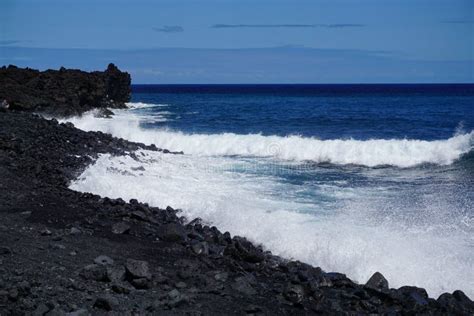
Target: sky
x,y
246,41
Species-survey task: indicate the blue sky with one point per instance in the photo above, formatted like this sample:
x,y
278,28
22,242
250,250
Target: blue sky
x,y
246,41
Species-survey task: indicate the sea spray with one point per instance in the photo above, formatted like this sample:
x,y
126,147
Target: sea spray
x,y
373,152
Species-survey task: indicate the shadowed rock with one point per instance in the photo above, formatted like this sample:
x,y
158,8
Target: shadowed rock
x,y
64,91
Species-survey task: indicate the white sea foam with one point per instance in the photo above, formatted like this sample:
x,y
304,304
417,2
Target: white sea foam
x,y
375,152
431,248
142,105
351,238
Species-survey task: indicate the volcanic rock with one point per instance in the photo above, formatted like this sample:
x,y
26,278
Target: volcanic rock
x,y
103,260
172,232
377,282
120,228
137,269
107,303
64,91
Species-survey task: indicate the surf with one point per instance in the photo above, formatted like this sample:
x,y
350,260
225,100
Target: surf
x,y
403,153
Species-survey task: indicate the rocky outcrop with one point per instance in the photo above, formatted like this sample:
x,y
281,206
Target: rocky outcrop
x,y
64,91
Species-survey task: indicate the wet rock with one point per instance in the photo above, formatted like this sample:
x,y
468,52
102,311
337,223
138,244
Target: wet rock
x,y
120,228
103,113
107,303
294,293
172,232
414,297
377,282
137,269
104,260
242,248
457,303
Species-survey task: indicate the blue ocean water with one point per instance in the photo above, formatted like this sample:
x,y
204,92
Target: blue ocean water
x,y
325,111
352,178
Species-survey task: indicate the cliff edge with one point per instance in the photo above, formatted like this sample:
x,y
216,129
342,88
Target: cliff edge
x,y
65,91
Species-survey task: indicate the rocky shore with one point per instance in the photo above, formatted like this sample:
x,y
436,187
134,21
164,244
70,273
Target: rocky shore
x,y
69,253
65,91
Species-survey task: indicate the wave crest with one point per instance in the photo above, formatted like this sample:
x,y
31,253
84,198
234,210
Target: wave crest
x,y
142,105
374,152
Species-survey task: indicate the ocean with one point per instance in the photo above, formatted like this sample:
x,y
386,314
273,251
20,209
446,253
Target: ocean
x,y
352,178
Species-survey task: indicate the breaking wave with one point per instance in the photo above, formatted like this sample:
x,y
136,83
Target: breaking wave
x,y
364,232
374,152
142,105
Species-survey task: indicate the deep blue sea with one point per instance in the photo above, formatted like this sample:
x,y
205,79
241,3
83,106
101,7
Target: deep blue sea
x,y
351,178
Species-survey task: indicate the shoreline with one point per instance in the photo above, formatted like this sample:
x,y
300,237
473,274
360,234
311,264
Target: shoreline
x,y
63,251
60,222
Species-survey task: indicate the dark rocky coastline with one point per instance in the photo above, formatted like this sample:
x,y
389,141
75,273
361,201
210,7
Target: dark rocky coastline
x,y
64,91
66,252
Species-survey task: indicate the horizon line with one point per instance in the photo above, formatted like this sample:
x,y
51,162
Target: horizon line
x,y
289,84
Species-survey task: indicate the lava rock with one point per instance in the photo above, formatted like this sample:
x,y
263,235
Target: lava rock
x,y
120,228
41,310
96,272
243,285
79,312
142,283
294,293
64,91
104,260
137,269
172,232
121,288
115,273
200,248
75,231
377,282
4,106
45,232
107,303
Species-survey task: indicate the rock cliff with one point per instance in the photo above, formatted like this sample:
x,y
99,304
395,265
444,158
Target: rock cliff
x,y
63,91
